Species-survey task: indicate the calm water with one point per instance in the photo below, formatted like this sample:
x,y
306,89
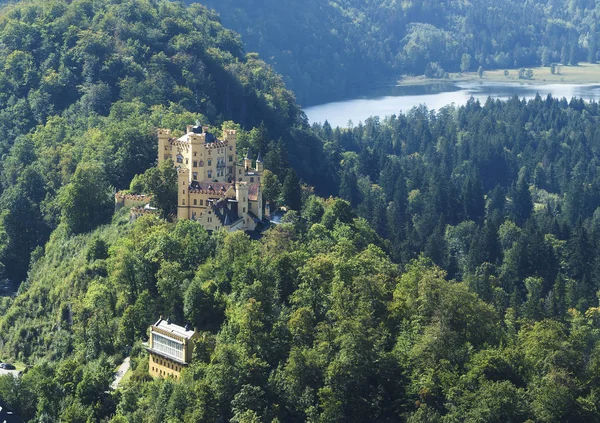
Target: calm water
x,y
391,100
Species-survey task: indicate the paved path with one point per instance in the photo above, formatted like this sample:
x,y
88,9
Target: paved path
x,y
15,373
123,368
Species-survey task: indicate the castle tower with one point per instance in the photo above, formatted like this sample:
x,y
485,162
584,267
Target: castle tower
x,y
230,137
241,195
259,164
163,145
247,161
183,194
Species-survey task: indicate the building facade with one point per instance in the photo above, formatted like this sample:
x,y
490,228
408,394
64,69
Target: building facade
x,y
170,348
214,187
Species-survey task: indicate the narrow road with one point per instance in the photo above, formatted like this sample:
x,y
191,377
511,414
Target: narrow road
x,y
15,373
123,368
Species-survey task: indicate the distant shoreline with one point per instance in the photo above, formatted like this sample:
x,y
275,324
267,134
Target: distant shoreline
x,y
584,73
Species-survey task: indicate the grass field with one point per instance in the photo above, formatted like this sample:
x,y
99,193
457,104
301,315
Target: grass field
x,y
584,73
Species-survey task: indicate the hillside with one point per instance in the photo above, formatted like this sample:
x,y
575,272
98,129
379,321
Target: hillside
x,y
455,279
84,85
327,50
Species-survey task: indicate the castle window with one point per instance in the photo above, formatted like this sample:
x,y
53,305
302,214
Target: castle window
x,y
209,162
251,179
243,209
186,161
230,148
166,148
201,202
195,152
240,172
195,203
209,173
183,183
183,202
195,176
179,158
195,163
230,158
209,151
184,191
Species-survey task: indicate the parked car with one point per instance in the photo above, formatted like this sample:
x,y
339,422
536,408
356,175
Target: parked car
x,y
7,366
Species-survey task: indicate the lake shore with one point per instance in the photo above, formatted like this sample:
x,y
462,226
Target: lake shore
x,y
584,73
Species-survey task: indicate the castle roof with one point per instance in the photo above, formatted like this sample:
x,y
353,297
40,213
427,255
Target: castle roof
x,y
226,211
259,157
209,187
176,330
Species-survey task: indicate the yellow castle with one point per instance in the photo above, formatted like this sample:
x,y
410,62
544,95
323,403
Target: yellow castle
x,y
213,187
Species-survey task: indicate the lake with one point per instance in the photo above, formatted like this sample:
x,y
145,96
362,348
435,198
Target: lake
x,y
393,99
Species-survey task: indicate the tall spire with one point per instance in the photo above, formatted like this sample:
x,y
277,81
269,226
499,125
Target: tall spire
x,y
248,154
259,158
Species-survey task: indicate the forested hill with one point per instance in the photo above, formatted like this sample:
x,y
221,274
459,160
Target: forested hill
x,y
84,84
331,49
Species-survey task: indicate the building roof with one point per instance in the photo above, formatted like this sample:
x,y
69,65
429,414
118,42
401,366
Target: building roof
x,y
210,187
167,326
259,158
226,211
7,415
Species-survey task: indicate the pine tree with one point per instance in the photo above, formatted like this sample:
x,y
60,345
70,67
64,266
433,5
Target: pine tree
x,y
291,191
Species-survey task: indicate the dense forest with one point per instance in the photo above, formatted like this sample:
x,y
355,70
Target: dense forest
x,y
339,48
435,266
455,280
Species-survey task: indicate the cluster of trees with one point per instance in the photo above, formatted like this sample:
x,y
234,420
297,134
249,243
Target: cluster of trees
x,y
314,322
337,49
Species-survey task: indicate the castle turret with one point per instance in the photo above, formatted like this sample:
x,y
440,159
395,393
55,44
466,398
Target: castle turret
x,y
259,163
163,145
241,195
183,194
247,161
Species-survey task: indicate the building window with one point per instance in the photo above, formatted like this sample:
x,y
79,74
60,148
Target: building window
x,y
201,163
195,154
243,209
230,148
183,202
201,202
195,176
167,346
209,162
240,172
184,191
230,159
209,173
166,148
252,179
179,158
195,202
